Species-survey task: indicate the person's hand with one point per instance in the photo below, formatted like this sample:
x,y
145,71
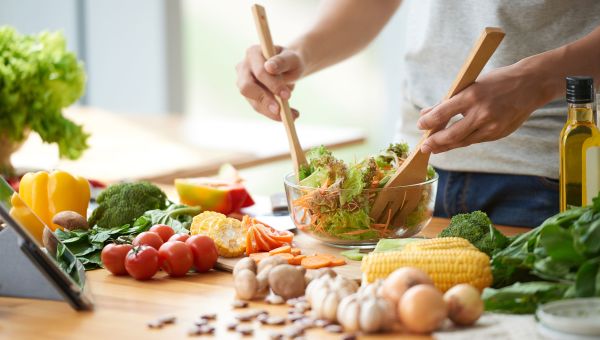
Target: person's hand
x,y
259,80
493,107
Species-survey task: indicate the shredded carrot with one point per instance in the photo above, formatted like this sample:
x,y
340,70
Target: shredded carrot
x,y
282,249
357,232
315,262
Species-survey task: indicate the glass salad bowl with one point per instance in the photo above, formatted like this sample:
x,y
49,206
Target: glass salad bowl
x,y
331,217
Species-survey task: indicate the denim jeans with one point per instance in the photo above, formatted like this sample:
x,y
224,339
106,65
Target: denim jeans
x,y
517,200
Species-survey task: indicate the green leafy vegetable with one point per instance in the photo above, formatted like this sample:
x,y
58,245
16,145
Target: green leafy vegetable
x,y
38,78
353,254
522,298
122,203
391,244
476,228
563,251
87,245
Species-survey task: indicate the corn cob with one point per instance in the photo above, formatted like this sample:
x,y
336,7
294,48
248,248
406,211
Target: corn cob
x,y
448,261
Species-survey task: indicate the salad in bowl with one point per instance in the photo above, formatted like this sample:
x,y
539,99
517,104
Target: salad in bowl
x,y
331,201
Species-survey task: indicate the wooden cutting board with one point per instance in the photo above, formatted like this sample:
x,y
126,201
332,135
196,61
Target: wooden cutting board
x,y
309,246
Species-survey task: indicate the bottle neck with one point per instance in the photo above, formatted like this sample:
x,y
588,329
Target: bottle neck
x,y
581,112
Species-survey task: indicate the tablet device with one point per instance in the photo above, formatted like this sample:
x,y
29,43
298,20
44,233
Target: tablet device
x,y
51,257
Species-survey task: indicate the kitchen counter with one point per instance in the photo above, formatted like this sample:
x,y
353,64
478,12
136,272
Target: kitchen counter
x,y
123,306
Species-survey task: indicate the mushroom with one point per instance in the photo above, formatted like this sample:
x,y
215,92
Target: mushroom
x,y
70,220
245,263
245,284
286,281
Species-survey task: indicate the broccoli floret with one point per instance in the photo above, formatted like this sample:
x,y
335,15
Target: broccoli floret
x,y
122,203
477,228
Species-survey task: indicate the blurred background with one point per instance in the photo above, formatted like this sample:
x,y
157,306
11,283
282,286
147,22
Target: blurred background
x,y
154,61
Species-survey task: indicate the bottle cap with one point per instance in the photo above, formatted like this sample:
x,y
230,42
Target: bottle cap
x,y
580,89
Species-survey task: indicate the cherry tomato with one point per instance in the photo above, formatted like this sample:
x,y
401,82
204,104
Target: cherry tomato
x,y
205,252
113,258
163,230
176,258
148,238
142,262
179,237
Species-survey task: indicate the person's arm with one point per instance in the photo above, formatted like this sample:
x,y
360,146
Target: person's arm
x,y
343,28
499,102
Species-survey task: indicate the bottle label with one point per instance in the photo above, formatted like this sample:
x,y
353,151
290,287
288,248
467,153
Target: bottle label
x,y
592,174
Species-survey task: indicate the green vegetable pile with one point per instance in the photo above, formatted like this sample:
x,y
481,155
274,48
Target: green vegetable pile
x,y
121,203
559,259
339,207
38,78
124,211
477,228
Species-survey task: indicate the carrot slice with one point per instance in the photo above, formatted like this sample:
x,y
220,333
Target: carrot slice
x,y
337,262
329,256
250,242
257,257
282,249
296,251
285,256
296,260
315,262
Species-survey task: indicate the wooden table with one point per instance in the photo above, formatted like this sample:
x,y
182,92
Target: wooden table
x,y
124,306
162,148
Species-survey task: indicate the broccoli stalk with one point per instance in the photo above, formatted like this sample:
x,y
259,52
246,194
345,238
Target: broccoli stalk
x,y
121,204
477,228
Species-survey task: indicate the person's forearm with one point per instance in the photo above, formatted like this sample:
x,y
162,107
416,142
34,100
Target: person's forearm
x,y
581,57
343,28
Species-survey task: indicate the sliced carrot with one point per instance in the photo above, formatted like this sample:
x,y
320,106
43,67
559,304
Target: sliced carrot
x,y
250,248
282,249
257,257
329,256
285,256
337,262
296,251
315,262
296,260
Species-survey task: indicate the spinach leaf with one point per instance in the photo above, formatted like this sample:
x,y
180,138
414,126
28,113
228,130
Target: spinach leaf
x,y
522,298
586,283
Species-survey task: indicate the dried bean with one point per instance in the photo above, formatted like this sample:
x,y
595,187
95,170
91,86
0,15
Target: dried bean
x,y
293,331
275,320
200,322
275,336
349,336
209,316
334,328
244,330
322,323
262,318
155,324
239,304
294,316
232,325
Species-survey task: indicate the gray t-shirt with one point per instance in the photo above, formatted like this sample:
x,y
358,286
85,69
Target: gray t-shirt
x,y
439,36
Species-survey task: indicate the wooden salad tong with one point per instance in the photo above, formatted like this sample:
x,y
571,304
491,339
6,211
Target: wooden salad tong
x,y
268,51
392,205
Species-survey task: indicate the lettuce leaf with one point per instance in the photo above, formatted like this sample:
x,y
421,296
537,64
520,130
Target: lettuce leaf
x,y
38,78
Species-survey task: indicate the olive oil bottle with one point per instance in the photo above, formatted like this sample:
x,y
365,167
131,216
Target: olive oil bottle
x,y
579,127
591,164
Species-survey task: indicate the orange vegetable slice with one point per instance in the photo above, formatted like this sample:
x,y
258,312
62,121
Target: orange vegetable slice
x,y
337,262
315,262
296,260
296,251
285,256
257,257
282,249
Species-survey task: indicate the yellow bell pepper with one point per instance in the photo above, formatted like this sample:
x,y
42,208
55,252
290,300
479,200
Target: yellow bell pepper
x,y
22,214
50,193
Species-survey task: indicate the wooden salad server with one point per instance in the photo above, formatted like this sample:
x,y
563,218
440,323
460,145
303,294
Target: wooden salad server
x,y
268,51
392,206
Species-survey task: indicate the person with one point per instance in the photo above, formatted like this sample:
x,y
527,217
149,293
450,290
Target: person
x,y
495,144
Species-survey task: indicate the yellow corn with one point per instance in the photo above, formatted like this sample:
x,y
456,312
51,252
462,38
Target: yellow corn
x,y
448,261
